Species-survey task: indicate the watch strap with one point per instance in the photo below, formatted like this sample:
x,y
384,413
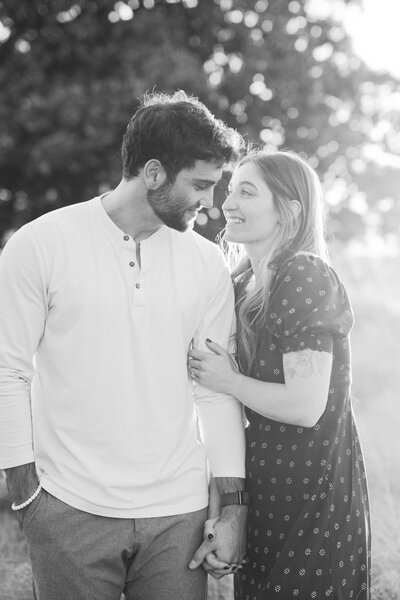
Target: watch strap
x,y
235,498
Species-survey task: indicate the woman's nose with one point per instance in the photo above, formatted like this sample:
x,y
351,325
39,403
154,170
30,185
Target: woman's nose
x,y
228,203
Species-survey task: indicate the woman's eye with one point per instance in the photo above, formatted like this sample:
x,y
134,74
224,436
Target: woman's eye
x,y
246,193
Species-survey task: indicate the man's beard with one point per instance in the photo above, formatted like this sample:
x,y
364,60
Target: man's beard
x,y
170,207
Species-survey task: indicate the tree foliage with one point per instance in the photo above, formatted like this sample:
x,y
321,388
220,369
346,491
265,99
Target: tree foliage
x,y
71,73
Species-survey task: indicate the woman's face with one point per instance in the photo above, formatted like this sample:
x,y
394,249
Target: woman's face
x,y
249,209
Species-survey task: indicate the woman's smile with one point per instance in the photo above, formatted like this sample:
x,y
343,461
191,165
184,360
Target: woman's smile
x,y
230,220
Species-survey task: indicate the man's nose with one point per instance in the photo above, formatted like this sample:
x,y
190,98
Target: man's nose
x,y
208,199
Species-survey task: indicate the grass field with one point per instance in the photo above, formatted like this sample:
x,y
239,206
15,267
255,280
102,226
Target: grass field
x,y
374,287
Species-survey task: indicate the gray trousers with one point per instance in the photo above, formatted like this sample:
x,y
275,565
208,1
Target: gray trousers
x,y
79,556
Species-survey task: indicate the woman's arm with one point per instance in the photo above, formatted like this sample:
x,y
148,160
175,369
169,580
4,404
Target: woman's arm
x,y
301,400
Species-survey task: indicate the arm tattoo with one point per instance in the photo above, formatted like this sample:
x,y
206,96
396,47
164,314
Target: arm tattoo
x,y
304,363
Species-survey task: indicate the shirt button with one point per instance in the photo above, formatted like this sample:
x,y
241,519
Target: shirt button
x,y
126,238
137,286
131,264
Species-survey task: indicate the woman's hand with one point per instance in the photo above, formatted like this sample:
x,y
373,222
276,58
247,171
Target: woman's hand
x,y
215,371
220,537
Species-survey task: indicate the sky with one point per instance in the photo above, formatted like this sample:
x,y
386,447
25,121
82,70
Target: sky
x,y
374,27
375,33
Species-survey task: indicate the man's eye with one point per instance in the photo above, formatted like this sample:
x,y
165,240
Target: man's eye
x,y
200,187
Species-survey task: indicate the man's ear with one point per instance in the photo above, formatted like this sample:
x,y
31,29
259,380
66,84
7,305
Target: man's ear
x,y
154,174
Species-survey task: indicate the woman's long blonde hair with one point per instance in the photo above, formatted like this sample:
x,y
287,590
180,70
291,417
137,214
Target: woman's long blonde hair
x,y
289,178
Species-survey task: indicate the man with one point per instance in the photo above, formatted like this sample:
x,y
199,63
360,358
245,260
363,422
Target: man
x,y
102,454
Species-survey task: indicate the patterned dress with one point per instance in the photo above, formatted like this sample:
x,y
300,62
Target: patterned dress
x,y
308,526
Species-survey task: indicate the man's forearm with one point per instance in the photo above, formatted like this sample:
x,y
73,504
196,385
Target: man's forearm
x,y
231,526
226,485
222,485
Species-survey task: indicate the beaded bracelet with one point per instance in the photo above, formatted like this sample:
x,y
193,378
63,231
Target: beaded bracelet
x,y
27,502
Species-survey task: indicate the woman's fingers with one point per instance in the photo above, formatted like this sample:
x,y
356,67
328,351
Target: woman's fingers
x,y
194,366
216,348
215,564
193,362
199,354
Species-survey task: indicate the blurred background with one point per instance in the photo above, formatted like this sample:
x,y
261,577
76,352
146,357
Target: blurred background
x,y
320,77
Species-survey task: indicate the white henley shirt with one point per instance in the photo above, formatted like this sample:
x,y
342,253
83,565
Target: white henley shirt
x,y
106,408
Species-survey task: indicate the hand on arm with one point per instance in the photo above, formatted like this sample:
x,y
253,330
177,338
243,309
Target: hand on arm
x,y
220,368
301,400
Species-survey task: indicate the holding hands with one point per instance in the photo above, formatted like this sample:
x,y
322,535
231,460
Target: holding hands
x,y
216,370
223,537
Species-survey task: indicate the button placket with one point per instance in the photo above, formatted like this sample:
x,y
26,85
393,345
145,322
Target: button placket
x,y
138,298
129,248
127,238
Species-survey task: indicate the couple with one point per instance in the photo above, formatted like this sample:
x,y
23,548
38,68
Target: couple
x,y
101,441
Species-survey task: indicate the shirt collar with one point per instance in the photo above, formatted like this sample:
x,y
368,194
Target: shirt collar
x,y
118,233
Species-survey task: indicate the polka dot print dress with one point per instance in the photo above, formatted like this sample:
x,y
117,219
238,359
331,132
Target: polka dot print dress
x,y
308,526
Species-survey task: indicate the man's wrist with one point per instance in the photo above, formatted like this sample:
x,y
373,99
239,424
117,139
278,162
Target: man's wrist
x,y
240,498
21,481
229,485
26,469
234,512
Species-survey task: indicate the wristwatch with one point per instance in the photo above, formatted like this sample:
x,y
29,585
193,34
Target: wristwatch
x,y
235,498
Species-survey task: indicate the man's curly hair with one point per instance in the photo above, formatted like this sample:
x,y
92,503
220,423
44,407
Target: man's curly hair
x,y
177,129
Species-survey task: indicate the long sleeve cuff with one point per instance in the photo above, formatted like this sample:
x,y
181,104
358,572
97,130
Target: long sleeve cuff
x,y
16,447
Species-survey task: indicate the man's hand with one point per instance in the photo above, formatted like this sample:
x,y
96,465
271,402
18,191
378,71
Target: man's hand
x,y
222,555
21,481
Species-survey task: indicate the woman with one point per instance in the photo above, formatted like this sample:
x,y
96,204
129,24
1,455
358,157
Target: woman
x,y
308,525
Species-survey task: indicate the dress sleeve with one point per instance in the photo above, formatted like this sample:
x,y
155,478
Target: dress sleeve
x,y
308,306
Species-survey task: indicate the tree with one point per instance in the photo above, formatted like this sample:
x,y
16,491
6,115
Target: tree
x,y
71,73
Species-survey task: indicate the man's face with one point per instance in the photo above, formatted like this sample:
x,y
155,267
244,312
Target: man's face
x,y
177,204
